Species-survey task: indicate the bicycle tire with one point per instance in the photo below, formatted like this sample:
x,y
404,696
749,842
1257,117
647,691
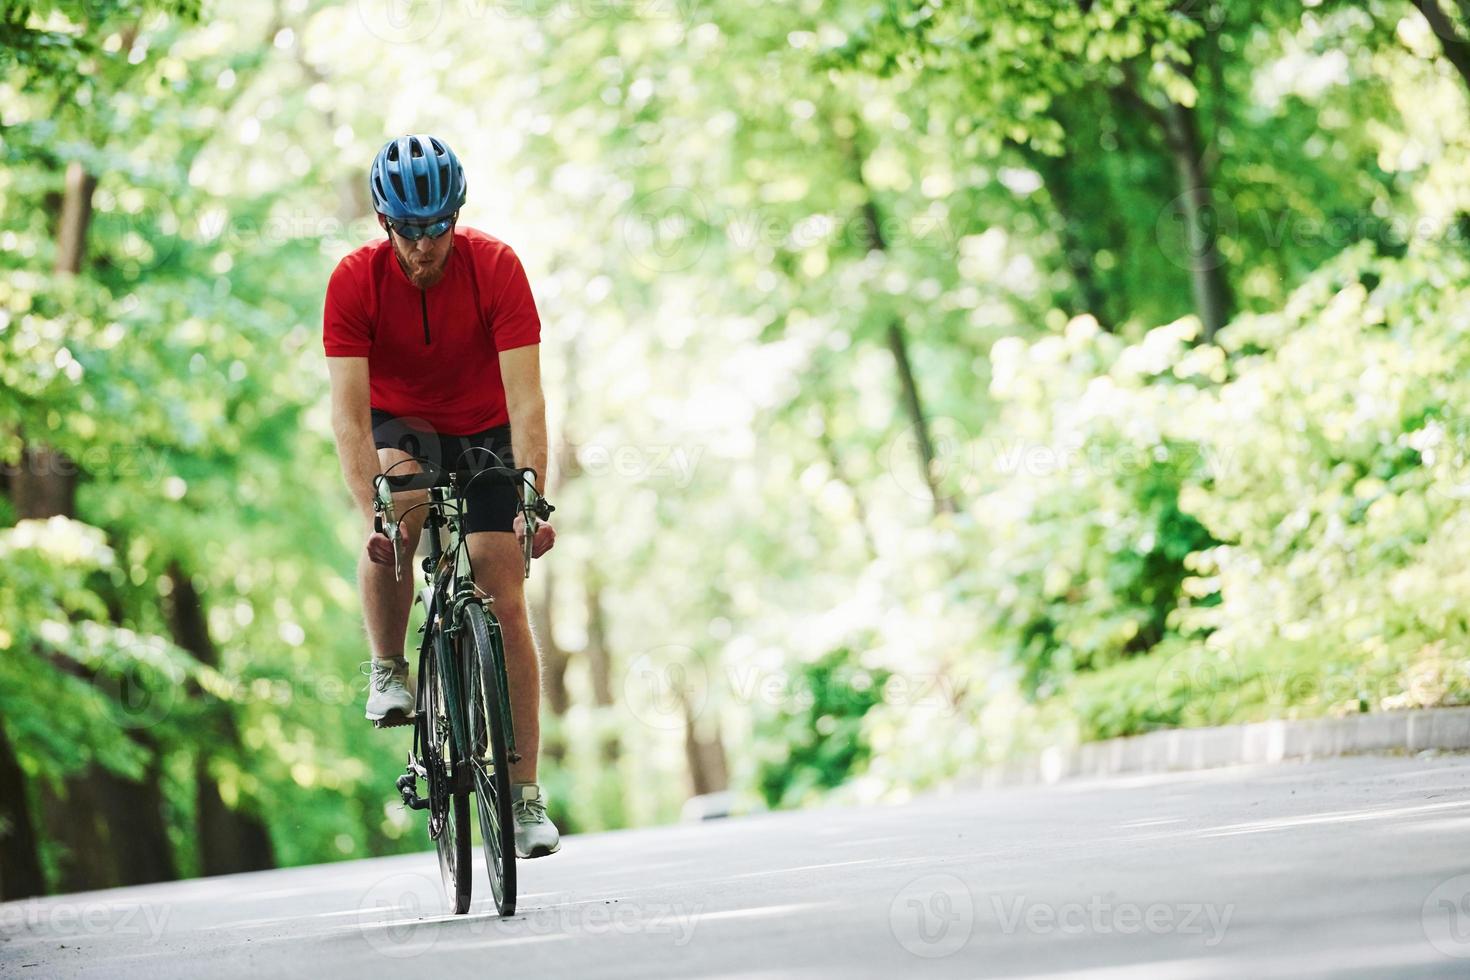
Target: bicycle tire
x,y
456,864
490,754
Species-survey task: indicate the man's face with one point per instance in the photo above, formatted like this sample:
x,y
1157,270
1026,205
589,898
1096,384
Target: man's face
x,y
423,261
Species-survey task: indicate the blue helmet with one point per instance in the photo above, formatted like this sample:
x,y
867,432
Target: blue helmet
x,y
416,178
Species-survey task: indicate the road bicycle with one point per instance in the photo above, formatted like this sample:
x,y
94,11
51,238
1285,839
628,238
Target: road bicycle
x,y
463,739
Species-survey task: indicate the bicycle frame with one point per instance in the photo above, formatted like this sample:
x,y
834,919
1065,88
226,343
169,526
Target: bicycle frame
x,y
443,598
458,762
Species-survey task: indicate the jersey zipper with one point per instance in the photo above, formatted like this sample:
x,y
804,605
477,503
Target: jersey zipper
x,y
424,308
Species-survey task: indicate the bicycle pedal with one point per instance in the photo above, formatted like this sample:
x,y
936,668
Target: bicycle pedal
x,y
393,719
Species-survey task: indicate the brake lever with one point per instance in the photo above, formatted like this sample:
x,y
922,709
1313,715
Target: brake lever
x,y
531,503
383,504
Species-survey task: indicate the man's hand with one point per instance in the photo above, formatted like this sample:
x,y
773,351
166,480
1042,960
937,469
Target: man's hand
x,y
545,535
380,547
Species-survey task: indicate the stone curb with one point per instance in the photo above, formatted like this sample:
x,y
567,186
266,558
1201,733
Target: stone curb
x,y
1178,750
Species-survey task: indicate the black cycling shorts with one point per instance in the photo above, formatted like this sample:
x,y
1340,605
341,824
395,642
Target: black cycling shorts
x,y
491,503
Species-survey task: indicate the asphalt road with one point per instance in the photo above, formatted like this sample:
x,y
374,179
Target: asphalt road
x,y
1347,868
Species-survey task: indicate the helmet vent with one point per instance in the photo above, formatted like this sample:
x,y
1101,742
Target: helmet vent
x,y
417,178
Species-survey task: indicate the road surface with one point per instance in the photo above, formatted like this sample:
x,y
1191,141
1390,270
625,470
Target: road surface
x,y
1347,868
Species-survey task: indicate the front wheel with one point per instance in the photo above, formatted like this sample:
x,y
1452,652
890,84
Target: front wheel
x,y
449,811
490,763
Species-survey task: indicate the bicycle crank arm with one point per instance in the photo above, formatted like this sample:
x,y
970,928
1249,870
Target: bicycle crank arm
x,y
408,789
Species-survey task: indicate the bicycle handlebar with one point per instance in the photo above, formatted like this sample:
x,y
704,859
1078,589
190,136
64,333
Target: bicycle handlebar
x,y
533,504
434,475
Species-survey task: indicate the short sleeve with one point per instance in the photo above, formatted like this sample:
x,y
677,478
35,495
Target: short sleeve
x,y
346,329
514,322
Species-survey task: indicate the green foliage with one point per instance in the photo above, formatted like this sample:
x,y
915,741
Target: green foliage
x,y
814,736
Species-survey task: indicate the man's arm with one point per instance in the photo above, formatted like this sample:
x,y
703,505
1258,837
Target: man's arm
x,y
520,371
353,427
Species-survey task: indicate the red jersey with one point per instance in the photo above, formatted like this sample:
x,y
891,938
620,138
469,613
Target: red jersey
x,y
433,354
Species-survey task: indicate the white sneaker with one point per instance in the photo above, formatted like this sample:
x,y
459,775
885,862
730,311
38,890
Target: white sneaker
x,y
536,835
389,701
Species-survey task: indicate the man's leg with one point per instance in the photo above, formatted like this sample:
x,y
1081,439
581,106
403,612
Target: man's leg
x,y
386,602
497,561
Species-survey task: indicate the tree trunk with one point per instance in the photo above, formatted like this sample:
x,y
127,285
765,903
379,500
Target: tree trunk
x,y
553,657
834,460
76,217
44,485
599,661
111,830
909,385
1212,298
20,864
599,664
708,771
229,840
898,345
1456,50
553,668
1080,259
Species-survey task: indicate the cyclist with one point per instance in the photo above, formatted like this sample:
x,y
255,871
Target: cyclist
x,y
433,346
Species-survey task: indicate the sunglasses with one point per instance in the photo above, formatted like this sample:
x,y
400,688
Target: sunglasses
x,y
433,229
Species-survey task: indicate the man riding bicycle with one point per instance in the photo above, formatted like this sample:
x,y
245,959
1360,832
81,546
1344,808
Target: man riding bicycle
x,y
433,350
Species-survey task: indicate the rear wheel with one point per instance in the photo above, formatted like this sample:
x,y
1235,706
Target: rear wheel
x,y
449,812
490,762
